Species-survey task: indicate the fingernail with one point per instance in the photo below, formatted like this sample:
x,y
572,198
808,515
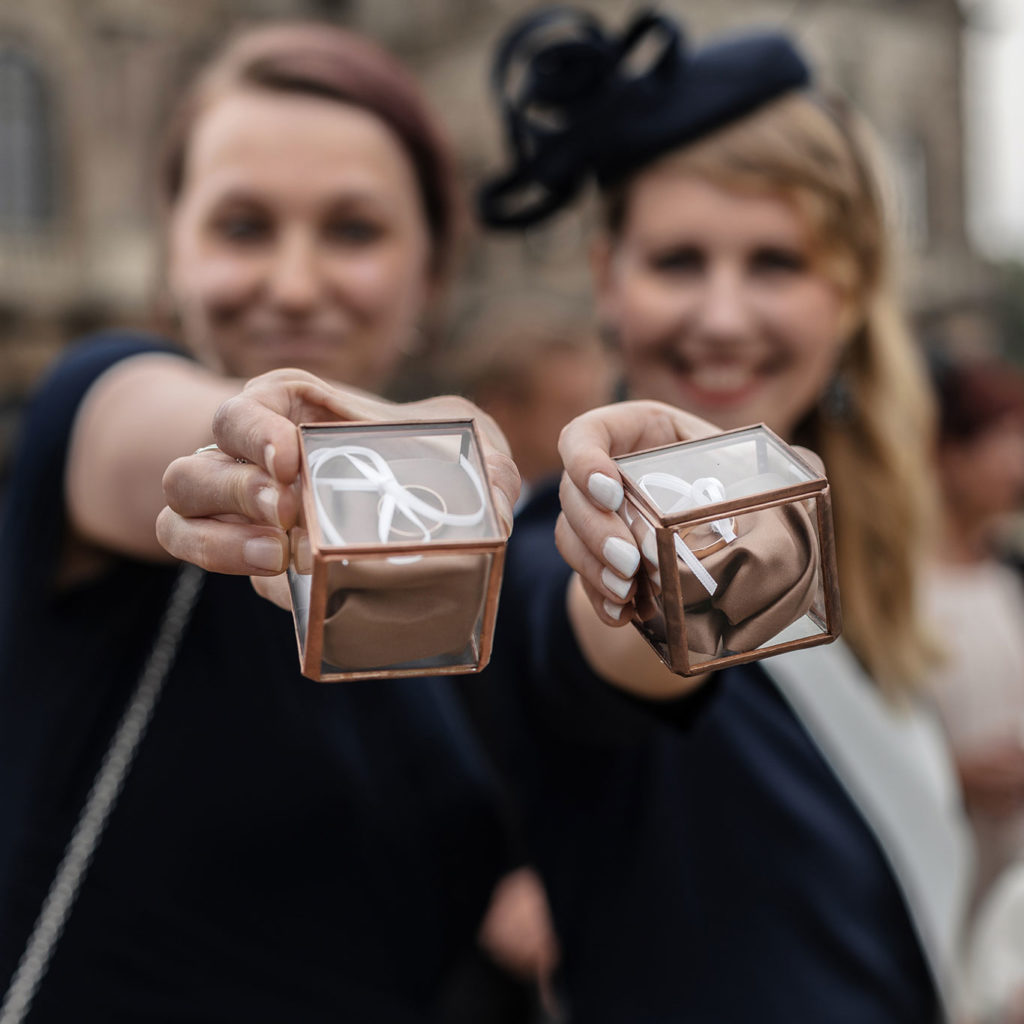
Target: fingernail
x,y
650,548
267,498
617,586
605,491
264,553
613,610
622,556
504,510
269,454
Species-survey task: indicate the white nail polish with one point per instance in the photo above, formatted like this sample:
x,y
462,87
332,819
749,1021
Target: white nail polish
x,y
650,548
619,587
613,610
605,491
622,556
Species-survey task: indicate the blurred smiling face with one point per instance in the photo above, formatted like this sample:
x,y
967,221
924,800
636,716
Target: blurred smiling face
x,y
718,303
298,240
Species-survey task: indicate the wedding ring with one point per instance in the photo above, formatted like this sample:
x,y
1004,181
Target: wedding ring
x,y
442,507
216,448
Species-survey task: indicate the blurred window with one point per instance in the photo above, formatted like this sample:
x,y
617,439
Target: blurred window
x,y
912,182
26,166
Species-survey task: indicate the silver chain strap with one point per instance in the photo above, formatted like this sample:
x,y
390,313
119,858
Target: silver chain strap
x,y
106,788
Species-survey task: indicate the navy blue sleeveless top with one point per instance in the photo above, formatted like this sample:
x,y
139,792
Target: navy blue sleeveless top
x,y
705,865
283,850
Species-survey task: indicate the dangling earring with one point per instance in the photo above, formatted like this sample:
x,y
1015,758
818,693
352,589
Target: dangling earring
x,y
836,402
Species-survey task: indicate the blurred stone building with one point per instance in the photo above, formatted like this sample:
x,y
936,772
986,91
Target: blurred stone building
x,y
86,84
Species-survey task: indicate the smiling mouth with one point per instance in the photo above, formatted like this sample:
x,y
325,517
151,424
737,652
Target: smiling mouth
x,y
299,339
717,383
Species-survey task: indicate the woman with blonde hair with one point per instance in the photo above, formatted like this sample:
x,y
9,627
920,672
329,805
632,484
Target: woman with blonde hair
x,y
780,841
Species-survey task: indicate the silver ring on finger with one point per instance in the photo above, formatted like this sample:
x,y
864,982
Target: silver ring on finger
x,y
216,448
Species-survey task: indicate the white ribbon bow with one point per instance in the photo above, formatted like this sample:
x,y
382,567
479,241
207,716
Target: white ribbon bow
x,y
706,490
376,475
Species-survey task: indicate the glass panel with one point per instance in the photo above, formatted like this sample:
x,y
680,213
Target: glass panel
x,y
410,613
735,465
300,580
741,585
388,484
753,585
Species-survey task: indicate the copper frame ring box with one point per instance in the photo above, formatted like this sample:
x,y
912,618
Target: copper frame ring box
x,y
396,568
738,552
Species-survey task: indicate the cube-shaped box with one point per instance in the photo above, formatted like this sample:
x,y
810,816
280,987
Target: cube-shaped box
x,y
397,566
738,550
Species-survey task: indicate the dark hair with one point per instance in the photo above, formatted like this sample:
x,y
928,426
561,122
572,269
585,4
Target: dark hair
x,y
332,63
975,396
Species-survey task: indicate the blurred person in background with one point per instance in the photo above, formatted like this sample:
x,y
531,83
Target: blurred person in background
x,y
282,850
532,363
783,842
974,597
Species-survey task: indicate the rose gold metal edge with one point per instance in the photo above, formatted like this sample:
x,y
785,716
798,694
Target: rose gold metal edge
x,y
405,673
315,623
816,482
830,578
490,611
360,551
672,604
708,513
759,655
729,508
488,483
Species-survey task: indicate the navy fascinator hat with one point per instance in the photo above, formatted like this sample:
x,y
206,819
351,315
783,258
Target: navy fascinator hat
x,y
573,107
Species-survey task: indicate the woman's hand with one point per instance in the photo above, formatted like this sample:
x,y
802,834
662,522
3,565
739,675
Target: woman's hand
x,y
233,516
591,536
598,545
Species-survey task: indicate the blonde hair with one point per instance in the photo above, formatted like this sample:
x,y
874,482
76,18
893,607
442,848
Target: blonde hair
x,y
876,451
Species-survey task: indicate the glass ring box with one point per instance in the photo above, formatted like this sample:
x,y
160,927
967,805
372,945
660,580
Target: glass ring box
x,y
397,566
738,553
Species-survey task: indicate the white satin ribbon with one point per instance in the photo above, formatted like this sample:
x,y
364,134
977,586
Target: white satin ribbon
x,y
376,475
705,490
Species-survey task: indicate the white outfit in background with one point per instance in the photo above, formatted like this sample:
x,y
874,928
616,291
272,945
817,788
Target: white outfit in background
x,y
977,612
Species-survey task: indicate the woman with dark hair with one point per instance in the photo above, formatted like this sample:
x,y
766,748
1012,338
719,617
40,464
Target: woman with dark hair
x,y
281,850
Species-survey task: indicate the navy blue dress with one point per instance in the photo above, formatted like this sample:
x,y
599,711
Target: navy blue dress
x,y
703,862
283,850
